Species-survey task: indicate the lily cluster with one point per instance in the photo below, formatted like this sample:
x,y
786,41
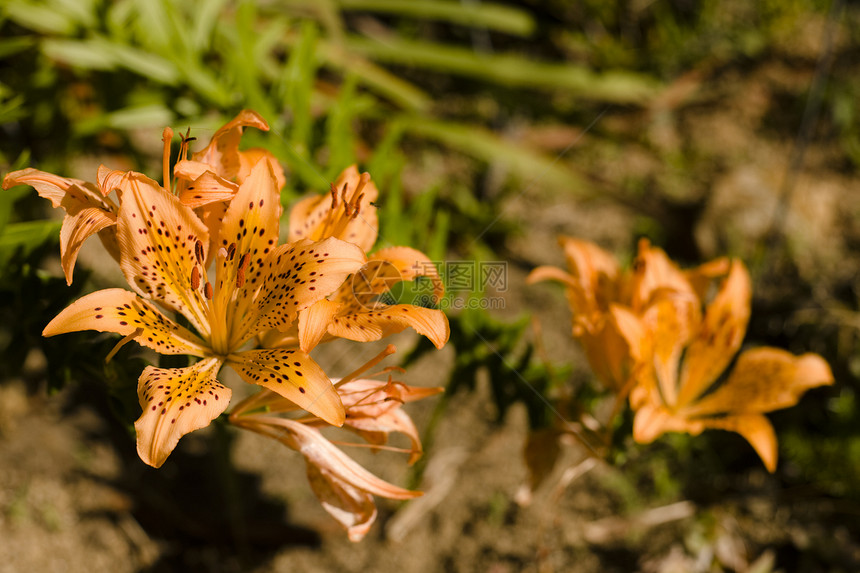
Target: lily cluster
x,y
662,338
209,280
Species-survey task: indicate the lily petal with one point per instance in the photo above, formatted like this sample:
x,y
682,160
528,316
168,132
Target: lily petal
x,y
123,312
765,379
295,277
176,401
293,375
351,507
314,322
653,274
346,214
380,322
87,212
756,429
595,271
223,153
719,337
157,236
207,188
248,233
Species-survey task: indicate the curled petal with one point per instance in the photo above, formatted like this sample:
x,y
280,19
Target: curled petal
x,y
77,228
222,154
548,273
378,323
293,375
596,273
756,429
123,312
176,401
87,212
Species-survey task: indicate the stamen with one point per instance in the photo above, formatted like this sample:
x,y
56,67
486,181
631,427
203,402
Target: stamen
x,y
343,197
388,351
137,332
333,196
240,274
207,290
198,251
357,206
166,136
231,250
195,278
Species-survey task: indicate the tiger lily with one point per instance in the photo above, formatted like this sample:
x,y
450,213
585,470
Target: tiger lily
x,y
606,300
677,390
373,411
257,286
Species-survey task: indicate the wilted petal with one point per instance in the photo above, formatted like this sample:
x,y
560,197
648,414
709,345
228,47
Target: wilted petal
x,y
293,375
123,312
176,401
765,379
351,507
540,452
157,236
719,338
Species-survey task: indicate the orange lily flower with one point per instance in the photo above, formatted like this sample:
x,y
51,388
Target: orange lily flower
x,y
373,411
355,311
257,286
689,351
606,300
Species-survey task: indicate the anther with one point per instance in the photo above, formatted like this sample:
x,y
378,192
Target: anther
x,y
333,196
240,274
358,205
207,290
231,251
195,278
198,251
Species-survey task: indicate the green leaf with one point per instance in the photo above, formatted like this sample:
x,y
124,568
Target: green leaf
x,y
477,15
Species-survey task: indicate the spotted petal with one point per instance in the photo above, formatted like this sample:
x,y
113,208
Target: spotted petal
x,y
123,312
248,233
157,236
764,379
87,212
176,401
295,277
293,375
383,321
